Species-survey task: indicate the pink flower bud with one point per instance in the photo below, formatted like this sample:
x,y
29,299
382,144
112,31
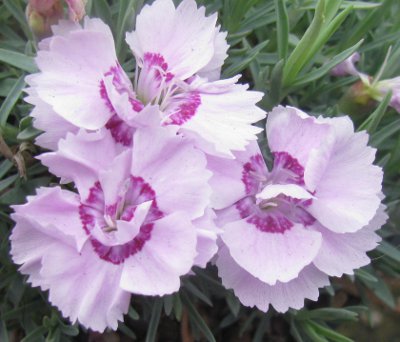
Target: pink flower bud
x,y
41,14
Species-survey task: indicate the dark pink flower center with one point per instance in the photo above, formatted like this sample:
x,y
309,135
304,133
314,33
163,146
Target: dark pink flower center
x,y
120,130
184,109
280,213
156,63
154,84
94,213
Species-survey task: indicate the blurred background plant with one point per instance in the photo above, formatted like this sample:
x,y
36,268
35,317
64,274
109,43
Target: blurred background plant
x,y
285,48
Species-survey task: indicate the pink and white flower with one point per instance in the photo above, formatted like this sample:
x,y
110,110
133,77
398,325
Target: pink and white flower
x,y
137,223
313,215
179,53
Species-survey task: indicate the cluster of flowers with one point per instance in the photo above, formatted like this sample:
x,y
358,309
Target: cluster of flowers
x,y
169,175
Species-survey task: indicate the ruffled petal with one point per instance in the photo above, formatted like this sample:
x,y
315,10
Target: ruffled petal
x,y
212,71
294,132
207,233
271,256
71,70
112,179
54,126
282,296
85,287
343,253
80,157
174,168
50,243
167,255
227,186
55,212
222,121
184,36
347,196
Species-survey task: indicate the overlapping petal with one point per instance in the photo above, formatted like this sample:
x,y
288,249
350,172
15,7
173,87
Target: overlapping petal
x,y
183,36
313,215
282,296
71,71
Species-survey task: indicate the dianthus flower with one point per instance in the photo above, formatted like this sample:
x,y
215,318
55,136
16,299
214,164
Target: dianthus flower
x,y
312,215
138,222
179,53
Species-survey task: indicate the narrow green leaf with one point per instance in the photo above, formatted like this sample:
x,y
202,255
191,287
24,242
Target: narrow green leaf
x,y
177,306
3,332
11,99
154,321
297,58
389,250
28,133
15,9
364,275
294,330
233,303
371,20
328,314
327,31
361,5
273,97
126,330
258,17
102,10
385,133
322,71
18,60
5,183
132,313
282,25
331,8
34,335
196,292
6,85
69,330
126,13
168,304
312,334
261,328
5,166
196,318
244,62
329,333
381,290
372,122
323,26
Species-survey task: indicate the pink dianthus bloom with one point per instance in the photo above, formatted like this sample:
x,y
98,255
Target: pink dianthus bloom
x,y
179,53
313,215
137,223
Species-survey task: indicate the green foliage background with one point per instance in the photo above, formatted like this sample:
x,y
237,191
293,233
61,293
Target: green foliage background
x,y
285,49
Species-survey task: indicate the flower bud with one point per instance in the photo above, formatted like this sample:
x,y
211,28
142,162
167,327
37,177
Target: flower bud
x,y
41,14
